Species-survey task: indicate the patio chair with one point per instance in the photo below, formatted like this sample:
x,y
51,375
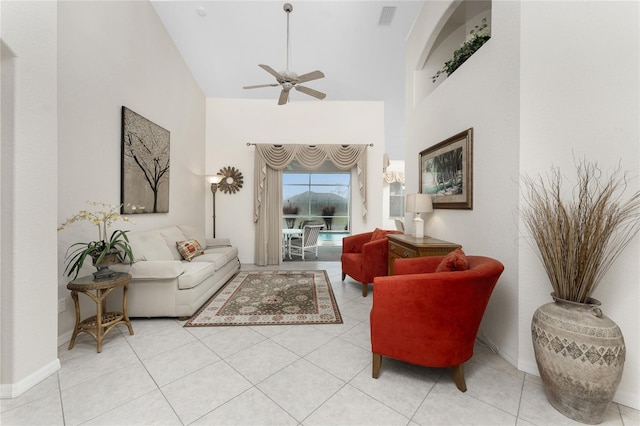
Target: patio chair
x,y
308,241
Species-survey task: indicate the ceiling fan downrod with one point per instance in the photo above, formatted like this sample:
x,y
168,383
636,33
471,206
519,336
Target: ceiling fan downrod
x,y
288,79
288,8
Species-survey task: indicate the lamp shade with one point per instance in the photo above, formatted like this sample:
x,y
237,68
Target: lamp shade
x,y
419,203
215,178
410,203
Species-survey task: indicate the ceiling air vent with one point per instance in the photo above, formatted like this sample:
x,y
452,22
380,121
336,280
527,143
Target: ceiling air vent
x,y
387,15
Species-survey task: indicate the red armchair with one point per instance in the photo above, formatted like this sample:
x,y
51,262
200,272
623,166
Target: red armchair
x,y
364,257
431,318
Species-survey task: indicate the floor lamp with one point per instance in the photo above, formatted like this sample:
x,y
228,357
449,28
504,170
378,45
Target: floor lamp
x,y
214,180
419,203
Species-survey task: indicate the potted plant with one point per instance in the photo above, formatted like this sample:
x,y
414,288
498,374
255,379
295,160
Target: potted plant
x,y
291,210
477,37
105,251
327,213
580,352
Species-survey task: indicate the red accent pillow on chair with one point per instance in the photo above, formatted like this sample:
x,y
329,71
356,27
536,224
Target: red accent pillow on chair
x,y
379,234
454,261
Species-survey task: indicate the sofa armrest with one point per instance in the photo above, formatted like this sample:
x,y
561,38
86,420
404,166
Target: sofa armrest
x,y
217,242
152,269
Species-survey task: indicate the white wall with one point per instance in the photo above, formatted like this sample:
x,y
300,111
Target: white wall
x,y
232,123
28,346
580,98
483,94
113,54
536,95
387,221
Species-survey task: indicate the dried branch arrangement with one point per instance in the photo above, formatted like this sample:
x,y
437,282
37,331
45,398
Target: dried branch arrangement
x,y
579,239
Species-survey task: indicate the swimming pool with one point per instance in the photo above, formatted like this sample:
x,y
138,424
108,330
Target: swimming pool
x,y
332,238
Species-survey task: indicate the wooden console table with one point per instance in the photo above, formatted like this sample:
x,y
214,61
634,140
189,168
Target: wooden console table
x,y
100,324
403,246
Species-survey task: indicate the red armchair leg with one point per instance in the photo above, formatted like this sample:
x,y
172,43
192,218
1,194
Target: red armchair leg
x,y
365,289
344,276
377,363
458,377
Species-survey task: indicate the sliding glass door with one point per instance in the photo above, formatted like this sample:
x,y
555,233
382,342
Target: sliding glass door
x,y
321,195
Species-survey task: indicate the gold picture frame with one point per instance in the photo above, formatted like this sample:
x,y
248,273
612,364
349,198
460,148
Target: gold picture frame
x,y
446,172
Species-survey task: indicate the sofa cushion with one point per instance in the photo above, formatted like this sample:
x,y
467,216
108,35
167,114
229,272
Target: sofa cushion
x,y
149,245
216,242
454,261
218,256
171,236
152,269
192,233
189,249
194,274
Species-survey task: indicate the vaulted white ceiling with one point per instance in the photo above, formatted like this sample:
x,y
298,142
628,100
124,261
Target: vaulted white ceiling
x,y
222,42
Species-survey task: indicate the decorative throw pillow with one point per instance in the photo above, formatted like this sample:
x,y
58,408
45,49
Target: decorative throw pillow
x,y
454,261
379,234
189,249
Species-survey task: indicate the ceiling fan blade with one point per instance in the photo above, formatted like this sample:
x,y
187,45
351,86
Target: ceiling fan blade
x,y
313,75
284,97
310,92
271,71
261,85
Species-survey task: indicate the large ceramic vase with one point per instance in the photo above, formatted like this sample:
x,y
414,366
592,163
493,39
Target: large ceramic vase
x,y
580,354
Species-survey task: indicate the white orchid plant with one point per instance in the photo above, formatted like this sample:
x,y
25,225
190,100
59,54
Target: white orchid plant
x,y
117,243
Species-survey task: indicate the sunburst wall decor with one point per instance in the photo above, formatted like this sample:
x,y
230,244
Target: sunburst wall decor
x,y
232,181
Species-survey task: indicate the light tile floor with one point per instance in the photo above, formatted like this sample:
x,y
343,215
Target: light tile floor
x,y
166,374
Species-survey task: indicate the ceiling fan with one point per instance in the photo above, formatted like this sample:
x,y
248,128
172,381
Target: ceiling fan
x,y
289,79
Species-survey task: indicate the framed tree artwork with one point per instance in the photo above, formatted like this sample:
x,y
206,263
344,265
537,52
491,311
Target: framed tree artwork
x,y
145,165
446,172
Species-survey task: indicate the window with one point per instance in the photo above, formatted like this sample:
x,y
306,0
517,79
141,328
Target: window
x,y
396,200
322,195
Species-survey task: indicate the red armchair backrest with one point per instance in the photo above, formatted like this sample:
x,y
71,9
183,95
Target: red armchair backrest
x,y
363,259
432,319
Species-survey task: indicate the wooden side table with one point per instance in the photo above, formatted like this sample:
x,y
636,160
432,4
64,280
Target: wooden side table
x,y
403,246
97,290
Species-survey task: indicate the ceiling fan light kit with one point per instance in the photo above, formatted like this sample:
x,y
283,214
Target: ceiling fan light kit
x,y
289,79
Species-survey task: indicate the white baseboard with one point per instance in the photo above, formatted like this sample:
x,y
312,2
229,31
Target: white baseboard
x,y
627,399
530,368
65,338
12,390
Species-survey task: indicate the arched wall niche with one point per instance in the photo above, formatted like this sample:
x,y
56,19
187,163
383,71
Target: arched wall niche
x,y
448,34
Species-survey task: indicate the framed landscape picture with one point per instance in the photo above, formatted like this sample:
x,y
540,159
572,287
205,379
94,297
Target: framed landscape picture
x,y
446,172
145,165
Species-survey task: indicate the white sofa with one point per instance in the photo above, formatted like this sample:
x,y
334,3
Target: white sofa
x,y
165,285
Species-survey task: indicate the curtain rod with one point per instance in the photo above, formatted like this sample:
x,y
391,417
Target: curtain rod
x,y
253,144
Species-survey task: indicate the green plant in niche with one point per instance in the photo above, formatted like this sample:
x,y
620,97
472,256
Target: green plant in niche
x,y
474,41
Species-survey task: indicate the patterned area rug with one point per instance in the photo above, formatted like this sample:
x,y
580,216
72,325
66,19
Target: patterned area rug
x,y
271,298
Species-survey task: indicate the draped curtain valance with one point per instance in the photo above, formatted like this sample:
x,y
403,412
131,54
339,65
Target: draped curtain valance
x,y
277,157
393,176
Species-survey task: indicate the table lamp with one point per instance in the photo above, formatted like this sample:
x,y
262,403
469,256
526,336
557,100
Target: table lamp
x,y
419,203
